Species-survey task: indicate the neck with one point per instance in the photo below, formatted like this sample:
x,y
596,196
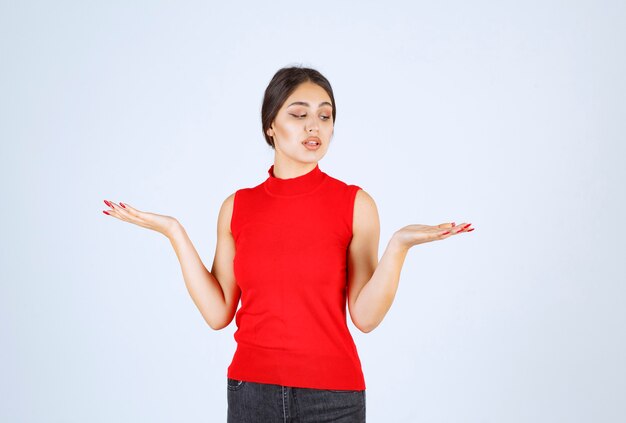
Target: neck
x,y
286,169
298,185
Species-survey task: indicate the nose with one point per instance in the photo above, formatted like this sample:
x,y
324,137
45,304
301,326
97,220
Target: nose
x,y
311,125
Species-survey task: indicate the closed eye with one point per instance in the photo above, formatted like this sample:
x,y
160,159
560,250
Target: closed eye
x,y
302,116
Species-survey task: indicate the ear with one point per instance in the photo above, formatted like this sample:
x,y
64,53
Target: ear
x,y
270,132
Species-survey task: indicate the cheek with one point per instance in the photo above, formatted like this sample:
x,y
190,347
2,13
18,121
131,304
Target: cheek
x,y
289,130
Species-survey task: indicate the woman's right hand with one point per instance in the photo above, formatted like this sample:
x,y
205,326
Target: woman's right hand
x,y
156,222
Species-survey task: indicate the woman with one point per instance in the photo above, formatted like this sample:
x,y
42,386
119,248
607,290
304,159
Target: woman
x,y
295,249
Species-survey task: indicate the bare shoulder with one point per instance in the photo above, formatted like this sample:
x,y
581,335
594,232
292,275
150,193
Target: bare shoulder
x,y
228,202
365,211
226,212
364,198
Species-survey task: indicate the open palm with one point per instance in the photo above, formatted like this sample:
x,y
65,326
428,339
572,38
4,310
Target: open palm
x,y
156,222
418,234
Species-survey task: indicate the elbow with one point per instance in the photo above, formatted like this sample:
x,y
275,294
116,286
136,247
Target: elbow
x,y
218,324
218,319
215,326
366,328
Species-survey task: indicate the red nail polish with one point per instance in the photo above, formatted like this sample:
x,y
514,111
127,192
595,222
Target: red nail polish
x,y
122,204
105,212
107,203
445,233
470,230
467,226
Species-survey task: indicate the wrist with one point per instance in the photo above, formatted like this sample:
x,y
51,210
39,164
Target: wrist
x,y
173,229
397,245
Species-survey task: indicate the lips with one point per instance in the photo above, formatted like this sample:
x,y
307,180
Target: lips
x,y
312,141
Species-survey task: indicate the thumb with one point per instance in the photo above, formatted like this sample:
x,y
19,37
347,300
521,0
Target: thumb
x,y
446,225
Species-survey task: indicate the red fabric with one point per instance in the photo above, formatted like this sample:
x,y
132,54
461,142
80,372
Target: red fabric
x,y
291,238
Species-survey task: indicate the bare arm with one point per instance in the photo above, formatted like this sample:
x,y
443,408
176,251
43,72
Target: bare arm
x,y
372,285
215,293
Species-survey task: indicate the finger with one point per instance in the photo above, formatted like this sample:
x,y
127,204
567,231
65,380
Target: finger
x,y
446,233
117,211
114,206
127,207
463,227
446,225
111,211
133,213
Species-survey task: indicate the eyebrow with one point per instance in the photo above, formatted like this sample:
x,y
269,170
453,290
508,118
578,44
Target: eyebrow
x,y
304,103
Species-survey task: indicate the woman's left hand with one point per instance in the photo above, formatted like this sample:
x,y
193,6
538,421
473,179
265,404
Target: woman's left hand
x,y
419,234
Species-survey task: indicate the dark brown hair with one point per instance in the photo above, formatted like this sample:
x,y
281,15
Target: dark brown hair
x,y
285,82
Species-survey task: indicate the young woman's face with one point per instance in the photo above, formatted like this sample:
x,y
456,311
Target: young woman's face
x,y
305,116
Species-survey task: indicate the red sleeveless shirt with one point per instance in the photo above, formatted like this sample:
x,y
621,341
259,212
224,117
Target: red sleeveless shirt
x,y
291,239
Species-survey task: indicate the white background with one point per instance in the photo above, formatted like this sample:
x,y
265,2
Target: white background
x,y
509,115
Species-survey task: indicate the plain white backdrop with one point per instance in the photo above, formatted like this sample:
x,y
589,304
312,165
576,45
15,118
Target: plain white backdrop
x,y
509,115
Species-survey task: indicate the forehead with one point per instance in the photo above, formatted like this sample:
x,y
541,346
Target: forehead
x,y
310,93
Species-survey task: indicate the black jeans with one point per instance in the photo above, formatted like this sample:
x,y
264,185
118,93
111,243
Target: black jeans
x,y
251,402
